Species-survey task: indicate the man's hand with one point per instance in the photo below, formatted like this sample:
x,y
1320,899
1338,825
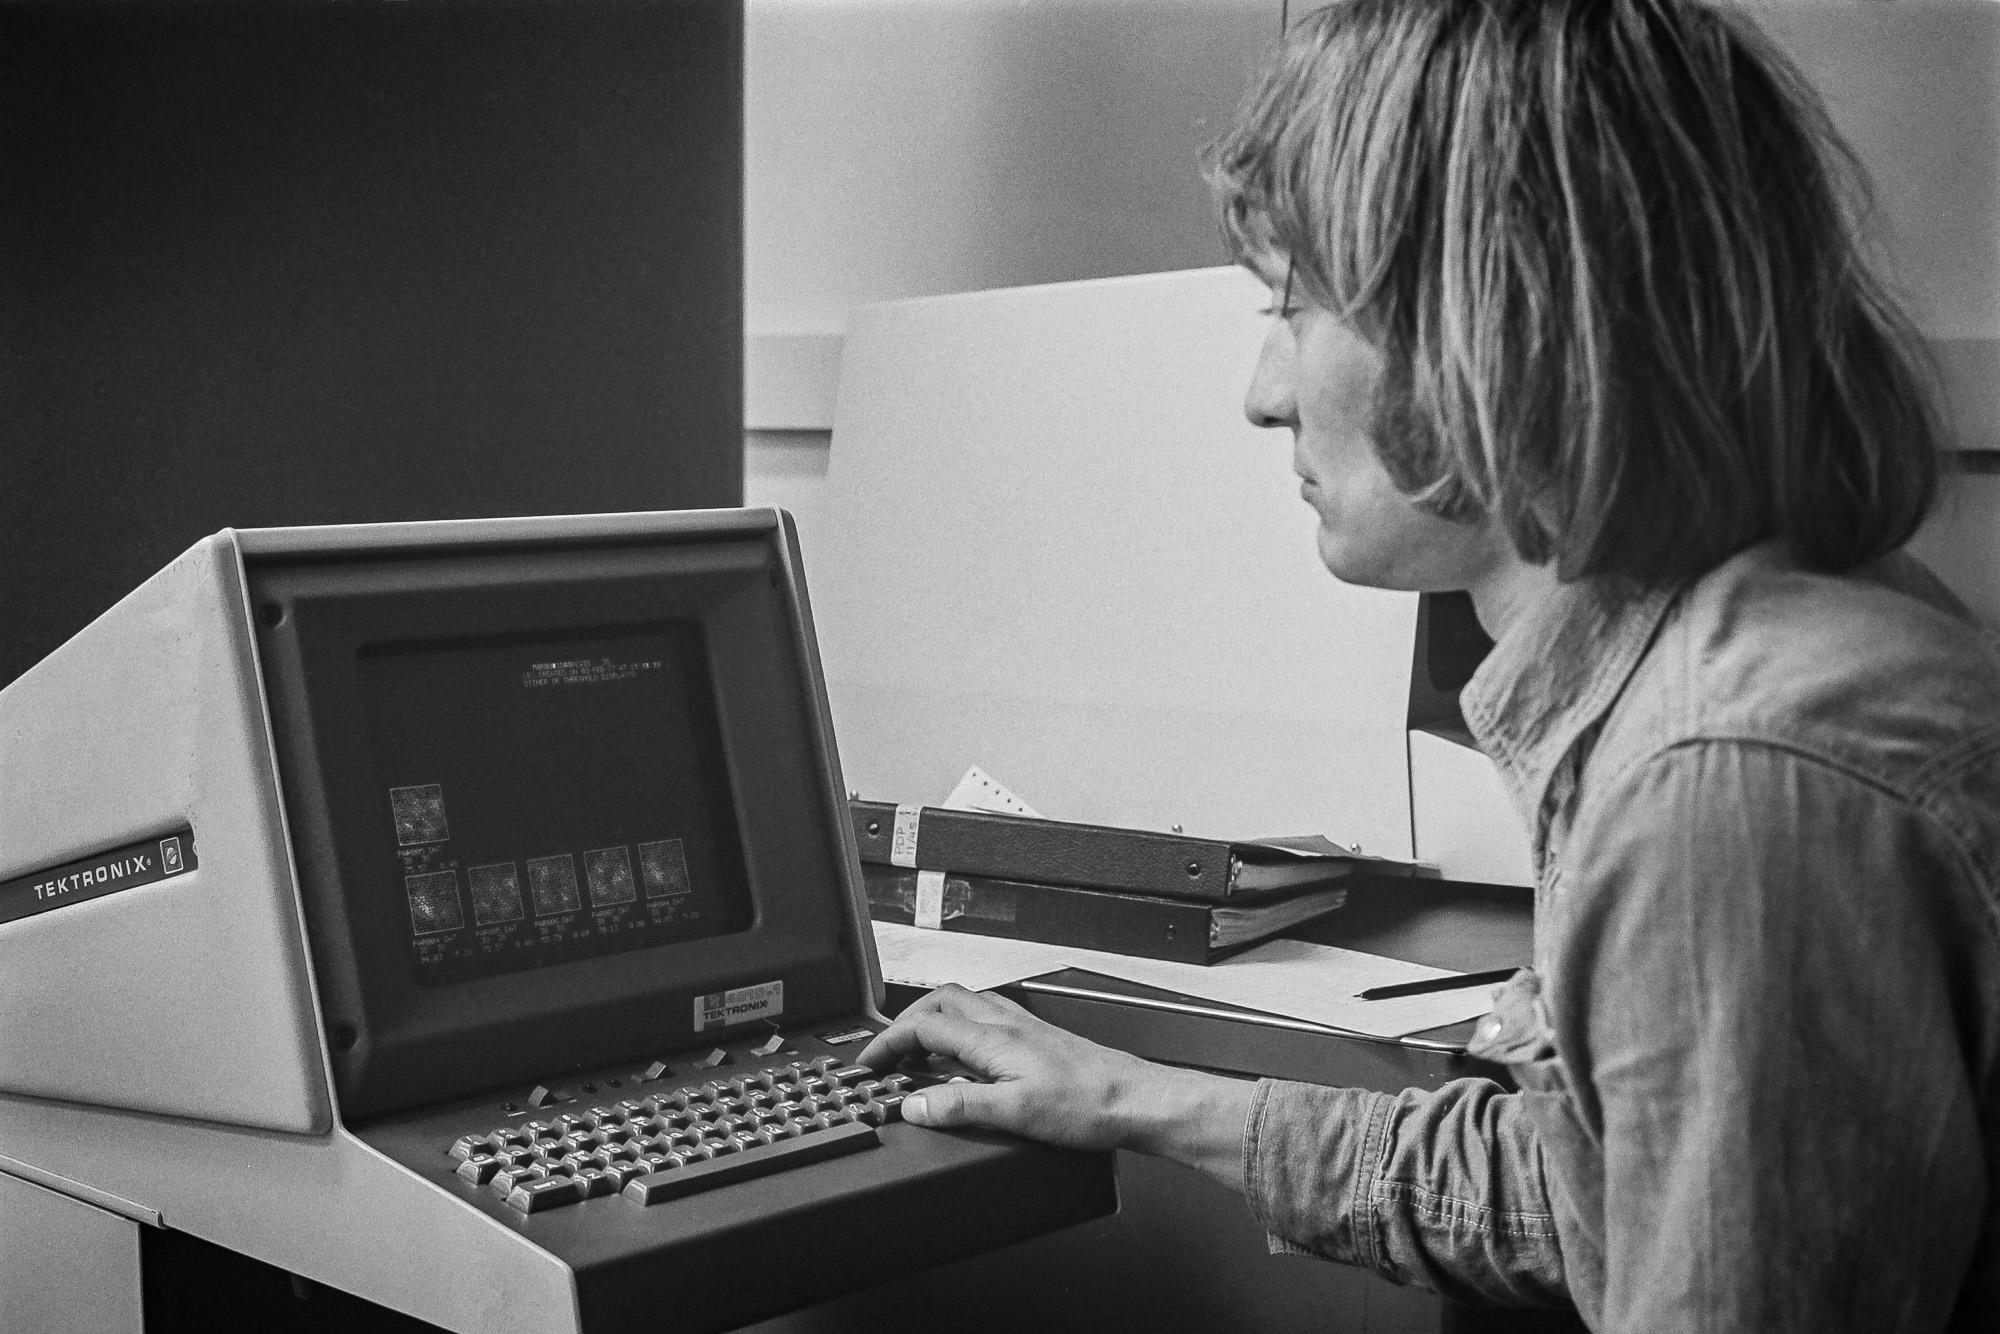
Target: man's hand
x,y
1050,1085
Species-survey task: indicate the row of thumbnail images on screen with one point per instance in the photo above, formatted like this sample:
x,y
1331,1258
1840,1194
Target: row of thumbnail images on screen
x,y
419,817
496,887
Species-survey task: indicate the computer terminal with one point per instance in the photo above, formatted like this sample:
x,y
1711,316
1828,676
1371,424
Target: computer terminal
x,y
465,915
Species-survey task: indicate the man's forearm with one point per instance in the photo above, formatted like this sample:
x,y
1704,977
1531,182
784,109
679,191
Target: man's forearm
x,y
1188,1116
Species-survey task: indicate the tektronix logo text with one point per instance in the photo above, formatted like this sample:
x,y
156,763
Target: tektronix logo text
x,y
102,875
138,868
719,1009
91,877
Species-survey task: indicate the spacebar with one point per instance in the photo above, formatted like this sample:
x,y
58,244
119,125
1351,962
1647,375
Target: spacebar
x,y
675,1182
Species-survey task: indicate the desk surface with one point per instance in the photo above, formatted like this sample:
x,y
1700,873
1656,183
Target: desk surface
x,y
1440,923
1183,1253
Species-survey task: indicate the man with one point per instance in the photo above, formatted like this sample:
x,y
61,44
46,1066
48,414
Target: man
x,y
1568,313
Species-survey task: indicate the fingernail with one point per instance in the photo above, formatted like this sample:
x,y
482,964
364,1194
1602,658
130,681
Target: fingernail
x,y
915,1110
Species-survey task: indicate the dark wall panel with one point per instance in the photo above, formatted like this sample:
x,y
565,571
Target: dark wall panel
x,y
274,263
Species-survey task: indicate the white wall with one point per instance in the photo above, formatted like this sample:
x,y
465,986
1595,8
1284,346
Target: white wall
x,y
900,148
911,147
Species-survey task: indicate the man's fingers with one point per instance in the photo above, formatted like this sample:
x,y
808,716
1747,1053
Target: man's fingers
x,y
956,1105
904,1038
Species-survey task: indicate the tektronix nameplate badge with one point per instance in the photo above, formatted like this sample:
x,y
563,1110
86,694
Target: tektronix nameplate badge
x,y
719,1009
128,867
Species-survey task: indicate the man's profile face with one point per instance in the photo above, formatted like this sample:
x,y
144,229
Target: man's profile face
x,y
1320,378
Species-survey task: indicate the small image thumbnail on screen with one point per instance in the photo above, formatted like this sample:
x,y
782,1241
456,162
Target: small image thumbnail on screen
x,y
419,815
552,882
496,894
571,791
664,865
433,902
609,872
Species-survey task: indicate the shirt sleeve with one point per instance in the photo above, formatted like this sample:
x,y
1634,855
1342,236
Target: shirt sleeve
x,y
1442,1189
1753,988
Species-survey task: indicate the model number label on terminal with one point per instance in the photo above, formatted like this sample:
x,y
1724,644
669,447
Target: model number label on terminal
x,y
719,1009
93,877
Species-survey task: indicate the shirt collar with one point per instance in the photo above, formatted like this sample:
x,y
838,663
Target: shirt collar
x,y
1553,676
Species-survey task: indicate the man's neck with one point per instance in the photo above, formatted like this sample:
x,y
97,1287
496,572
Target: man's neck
x,y
1507,590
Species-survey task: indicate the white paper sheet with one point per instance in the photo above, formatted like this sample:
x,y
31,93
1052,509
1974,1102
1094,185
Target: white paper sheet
x,y
919,958
1316,983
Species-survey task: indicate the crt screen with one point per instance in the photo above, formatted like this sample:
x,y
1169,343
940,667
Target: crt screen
x,y
550,800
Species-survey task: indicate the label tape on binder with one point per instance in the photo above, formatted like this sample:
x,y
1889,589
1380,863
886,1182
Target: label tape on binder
x,y
903,838
930,900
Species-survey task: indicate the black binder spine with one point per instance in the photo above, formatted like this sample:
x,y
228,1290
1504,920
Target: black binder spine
x,y
1053,852
1151,928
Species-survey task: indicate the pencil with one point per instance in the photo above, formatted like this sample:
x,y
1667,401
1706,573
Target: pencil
x,y
1452,983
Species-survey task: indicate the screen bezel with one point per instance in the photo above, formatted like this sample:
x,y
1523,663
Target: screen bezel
x,y
395,1044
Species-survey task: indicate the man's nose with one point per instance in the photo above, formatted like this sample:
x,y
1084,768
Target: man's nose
x,y
1268,401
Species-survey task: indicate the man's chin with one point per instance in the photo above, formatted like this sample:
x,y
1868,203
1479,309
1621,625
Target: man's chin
x,y
1349,565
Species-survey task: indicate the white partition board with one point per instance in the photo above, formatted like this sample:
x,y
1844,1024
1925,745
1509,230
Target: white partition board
x,y
1051,545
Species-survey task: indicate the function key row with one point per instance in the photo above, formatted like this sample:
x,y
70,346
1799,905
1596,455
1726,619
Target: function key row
x,y
545,1097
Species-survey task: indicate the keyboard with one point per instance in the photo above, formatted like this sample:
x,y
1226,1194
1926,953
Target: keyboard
x,y
666,1146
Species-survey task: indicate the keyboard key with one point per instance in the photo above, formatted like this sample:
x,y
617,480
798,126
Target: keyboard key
x,y
850,1074
507,1178
745,1166
534,1196
880,1111
478,1169
598,1182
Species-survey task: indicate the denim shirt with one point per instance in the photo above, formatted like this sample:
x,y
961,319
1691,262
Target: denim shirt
x,y
1758,1055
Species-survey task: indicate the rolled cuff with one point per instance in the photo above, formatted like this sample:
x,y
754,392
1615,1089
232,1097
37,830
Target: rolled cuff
x,y
1309,1159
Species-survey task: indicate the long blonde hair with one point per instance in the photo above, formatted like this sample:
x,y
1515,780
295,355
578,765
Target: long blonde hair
x,y
1607,250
